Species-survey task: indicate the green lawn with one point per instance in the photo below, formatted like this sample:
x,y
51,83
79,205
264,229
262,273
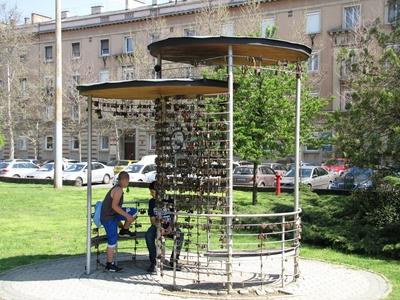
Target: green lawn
x,y
39,223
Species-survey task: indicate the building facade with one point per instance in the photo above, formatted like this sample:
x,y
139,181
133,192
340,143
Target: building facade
x,y
106,46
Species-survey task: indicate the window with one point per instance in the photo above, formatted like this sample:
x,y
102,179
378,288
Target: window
x,y
97,166
345,103
76,79
351,17
327,137
49,86
154,37
76,50
48,142
22,83
48,53
313,22
128,44
322,172
128,73
104,142
228,29
393,11
75,112
311,149
105,47
189,32
49,112
267,24
22,142
152,142
313,62
104,76
74,143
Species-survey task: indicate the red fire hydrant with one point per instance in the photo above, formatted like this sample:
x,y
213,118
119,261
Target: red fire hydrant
x,y
278,184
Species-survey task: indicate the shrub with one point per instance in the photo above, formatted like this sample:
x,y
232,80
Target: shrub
x,y
367,222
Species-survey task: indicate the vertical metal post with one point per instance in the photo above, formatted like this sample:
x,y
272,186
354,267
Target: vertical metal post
x,y
297,166
58,111
283,252
230,173
89,188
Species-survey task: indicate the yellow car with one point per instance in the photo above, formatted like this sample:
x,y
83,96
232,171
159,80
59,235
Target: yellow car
x,y
119,165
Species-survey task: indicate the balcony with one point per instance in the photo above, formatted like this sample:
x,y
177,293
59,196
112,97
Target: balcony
x,y
343,37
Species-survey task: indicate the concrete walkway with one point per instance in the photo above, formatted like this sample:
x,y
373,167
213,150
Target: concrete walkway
x,y
65,279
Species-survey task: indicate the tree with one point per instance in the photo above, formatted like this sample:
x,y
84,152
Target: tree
x,y
264,114
13,50
368,133
212,16
264,107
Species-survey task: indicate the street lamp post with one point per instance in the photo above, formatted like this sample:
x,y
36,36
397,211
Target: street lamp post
x,y
58,111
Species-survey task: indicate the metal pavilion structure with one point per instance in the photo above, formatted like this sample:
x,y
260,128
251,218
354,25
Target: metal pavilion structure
x,y
203,196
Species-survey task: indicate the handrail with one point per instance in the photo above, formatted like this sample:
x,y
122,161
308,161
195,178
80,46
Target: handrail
x,y
293,213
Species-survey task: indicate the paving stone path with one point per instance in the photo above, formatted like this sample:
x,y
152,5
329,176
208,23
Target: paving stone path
x,y
65,279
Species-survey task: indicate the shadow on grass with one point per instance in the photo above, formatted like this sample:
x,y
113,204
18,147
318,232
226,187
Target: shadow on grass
x,y
9,263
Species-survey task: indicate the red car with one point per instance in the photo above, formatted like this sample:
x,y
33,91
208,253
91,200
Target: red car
x,y
337,165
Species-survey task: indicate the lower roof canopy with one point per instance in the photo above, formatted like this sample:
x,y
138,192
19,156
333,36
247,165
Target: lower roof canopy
x,y
153,88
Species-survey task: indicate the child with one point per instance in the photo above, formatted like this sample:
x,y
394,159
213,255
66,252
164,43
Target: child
x,y
112,213
167,227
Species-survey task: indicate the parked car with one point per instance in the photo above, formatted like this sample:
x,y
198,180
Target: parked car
x,y
314,177
148,159
66,162
277,167
141,172
293,165
336,165
119,165
17,169
78,172
44,172
353,178
243,175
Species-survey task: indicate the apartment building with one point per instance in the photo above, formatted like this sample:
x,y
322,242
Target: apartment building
x,y
112,46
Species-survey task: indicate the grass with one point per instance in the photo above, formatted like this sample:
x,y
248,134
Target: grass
x,y
38,223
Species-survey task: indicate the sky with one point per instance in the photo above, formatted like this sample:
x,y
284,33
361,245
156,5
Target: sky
x,y
76,7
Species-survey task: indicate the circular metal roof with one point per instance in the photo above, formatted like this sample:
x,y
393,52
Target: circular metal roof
x,y
212,50
153,88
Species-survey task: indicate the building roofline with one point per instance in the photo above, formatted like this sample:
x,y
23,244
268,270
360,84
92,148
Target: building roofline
x,y
150,8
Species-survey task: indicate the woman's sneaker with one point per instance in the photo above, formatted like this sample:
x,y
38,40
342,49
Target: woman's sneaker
x,y
112,268
126,232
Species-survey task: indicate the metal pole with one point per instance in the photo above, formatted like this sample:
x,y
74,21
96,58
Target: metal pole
x,y
230,173
89,188
59,137
297,166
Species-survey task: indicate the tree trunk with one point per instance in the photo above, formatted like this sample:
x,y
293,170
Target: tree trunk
x,y
116,140
255,167
9,114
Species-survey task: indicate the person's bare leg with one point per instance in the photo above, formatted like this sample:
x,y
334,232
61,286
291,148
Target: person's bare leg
x,y
110,254
127,224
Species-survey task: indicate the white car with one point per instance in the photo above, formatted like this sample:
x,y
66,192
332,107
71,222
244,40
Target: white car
x,y
141,172
314,177
17,169
44,172
148,159
78,173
